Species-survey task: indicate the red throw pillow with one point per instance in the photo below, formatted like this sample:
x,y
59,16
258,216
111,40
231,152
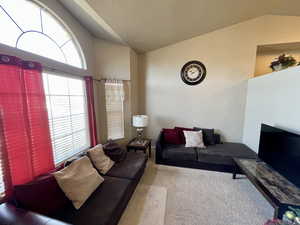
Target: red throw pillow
x,y
43,195
171,136
181,134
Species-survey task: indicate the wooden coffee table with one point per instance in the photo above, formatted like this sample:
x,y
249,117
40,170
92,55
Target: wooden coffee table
x,y
143,145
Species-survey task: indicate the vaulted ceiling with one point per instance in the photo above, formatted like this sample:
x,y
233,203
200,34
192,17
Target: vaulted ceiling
x,y
150,24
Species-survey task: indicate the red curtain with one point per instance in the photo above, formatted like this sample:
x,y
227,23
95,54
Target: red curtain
x,y
91,110
25,147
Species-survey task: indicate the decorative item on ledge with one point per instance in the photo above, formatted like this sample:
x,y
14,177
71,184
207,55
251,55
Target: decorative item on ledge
x,y
275,222
289,218
292,216
140,122
282,62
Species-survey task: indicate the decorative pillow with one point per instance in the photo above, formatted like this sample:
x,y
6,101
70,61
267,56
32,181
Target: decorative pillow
x,y
74,158
114,151
194,139
171,136
217,138
78,180
181,134
102,162
42,195
208,135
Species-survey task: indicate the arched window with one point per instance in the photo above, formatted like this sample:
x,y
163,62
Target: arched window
x,y
29,26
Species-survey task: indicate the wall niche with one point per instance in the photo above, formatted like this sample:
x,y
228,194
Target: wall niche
x,y
265,54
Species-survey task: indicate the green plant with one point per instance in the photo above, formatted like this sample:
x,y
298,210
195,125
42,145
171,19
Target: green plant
x,y
296,211
284,60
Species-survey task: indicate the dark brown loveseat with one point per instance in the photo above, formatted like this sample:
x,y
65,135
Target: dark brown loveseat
x,y
104,207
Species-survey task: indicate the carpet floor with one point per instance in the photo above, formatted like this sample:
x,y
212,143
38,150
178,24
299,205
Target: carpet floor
x,y
196,197
147,206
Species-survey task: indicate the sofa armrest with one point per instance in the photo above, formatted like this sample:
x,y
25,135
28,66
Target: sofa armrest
x,y
159,148
10,215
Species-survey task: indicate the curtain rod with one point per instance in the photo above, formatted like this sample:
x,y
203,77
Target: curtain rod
x,y
105,79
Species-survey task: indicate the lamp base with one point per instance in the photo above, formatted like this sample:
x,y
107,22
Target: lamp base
x,y
139,137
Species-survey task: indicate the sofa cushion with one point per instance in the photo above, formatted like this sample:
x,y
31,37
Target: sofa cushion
x,y
101,161
224,153
181,134
43,195
179,153
171,136
208,135
131,168
78,180
104,206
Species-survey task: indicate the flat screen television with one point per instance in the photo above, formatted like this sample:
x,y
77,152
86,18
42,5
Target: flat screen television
x,y
280,149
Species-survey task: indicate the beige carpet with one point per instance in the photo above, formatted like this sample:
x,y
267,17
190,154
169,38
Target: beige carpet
x,y
146,207
195,197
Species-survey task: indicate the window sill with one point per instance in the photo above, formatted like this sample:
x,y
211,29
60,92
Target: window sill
x,y
116,139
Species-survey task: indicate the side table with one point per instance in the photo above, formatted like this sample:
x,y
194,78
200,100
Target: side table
x,y
143,145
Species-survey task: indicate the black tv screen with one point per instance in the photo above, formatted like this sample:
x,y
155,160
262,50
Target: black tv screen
x,y
280,149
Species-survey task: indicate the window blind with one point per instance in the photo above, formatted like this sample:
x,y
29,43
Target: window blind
x,y
114,98
68,115
2,186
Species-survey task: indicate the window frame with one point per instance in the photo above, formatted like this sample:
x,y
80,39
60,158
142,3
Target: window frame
x,y
48,63
85,112
123,117
123,125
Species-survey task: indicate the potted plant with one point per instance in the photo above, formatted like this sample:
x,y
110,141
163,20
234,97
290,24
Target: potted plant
x,y
282,62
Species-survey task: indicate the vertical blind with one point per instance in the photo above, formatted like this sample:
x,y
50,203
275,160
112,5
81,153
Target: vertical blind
x,y
114,99
68,115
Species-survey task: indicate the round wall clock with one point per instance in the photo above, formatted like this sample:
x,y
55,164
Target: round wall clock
x,y
193,72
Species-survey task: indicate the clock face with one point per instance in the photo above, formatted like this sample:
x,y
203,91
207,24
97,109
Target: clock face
x,y
193,73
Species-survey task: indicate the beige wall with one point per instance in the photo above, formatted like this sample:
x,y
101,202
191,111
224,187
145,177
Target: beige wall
x,y
116,61
113,60
264,59
135,89
219,102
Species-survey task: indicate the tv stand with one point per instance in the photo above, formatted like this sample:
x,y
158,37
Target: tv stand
x,y
277,190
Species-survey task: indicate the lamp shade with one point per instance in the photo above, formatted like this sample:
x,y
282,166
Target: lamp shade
x,y
140,121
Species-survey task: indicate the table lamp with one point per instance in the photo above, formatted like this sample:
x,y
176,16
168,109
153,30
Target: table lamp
x,y
140,122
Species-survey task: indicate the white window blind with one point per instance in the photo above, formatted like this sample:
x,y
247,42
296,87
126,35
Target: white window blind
x,y
114,98
68,116
2,185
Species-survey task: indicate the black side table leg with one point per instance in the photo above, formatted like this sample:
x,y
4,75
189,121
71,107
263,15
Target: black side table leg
x,y
234,175
150,150
234,172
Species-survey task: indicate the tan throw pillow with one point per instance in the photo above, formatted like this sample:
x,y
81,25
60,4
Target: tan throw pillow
x,y
101,161
194,139
78,180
